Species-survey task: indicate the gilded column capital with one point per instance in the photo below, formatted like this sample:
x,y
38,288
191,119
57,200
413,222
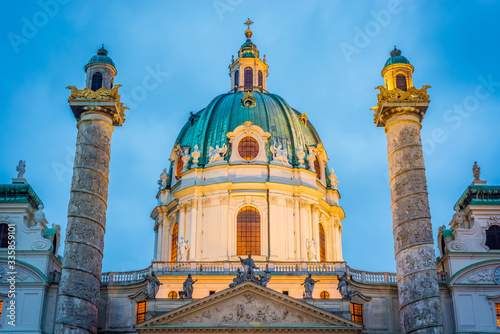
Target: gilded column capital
x,y
398,102
102,101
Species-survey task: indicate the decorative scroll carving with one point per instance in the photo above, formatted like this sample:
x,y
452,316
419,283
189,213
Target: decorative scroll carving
x,y
196,156
300,156
248,100
481,276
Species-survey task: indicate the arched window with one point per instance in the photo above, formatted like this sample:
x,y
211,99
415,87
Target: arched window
x,y
401,82
172,295
443,248
317,168
248,231
173,242
4,235
178,167
322,243
248,78
248,148
237,78
324,295
493,237
96,81
260,79
54,244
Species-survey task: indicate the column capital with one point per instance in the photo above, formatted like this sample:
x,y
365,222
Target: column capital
x,y
397,102
103,101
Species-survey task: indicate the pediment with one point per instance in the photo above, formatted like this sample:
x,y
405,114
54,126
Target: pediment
x,y
478,273
249,305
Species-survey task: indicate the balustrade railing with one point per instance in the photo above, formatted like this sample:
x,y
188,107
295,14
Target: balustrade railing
x,y
371,277
125,277
231,268
223,267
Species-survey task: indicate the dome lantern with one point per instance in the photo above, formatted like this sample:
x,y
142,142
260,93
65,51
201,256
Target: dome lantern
x,y
397,71
248,71
100,70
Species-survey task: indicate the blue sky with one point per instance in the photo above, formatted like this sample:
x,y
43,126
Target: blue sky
x,y
325,59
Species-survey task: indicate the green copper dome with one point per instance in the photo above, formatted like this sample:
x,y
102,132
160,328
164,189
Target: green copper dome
x,y
396,58
100,58
209,126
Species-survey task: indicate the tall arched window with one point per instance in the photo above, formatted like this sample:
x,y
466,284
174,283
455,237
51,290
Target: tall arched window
x,y
260,79
493,237
173,242
401,82
54,244
237,78
322,244
248,231
178,167
248,78
96,81
317,168
4,235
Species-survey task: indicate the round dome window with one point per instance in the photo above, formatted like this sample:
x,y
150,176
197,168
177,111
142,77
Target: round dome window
x,y
248,148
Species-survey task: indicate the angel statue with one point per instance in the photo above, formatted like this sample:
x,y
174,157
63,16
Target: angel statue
x,y
279,153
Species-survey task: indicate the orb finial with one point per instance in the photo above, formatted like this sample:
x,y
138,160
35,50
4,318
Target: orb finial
x,y
395,52
248,32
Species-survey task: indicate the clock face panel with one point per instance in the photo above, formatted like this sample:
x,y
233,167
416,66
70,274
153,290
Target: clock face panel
x,y
496,275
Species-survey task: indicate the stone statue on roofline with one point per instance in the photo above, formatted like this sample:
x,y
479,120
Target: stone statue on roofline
x,y
343,286
476,171
309,286
187,287
39,215
21,169
153,285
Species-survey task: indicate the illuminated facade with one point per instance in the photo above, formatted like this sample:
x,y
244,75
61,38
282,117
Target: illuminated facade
x,y
249,174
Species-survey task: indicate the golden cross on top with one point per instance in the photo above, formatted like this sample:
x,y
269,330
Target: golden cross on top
x,y
248,23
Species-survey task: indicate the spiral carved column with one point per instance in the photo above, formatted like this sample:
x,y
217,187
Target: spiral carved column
x,y
418,288
79,289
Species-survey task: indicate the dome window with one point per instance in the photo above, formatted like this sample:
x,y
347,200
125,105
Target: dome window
x,y
178,168
317,168
172,295
96,81
236,79
260,79
248,148
173,242
401,82
324,295
493,237
248,231
248,78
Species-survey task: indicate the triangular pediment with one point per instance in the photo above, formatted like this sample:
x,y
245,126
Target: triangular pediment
x,y
248,305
